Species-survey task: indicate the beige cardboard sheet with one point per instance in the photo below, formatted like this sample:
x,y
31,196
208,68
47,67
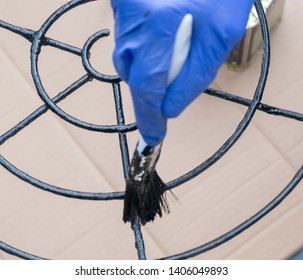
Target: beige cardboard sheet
x,y
250,175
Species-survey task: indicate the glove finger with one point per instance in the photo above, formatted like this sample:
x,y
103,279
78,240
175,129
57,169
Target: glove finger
x,y
148,73
147,82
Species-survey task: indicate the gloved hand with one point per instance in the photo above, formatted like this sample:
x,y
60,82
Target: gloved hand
x,y
145,32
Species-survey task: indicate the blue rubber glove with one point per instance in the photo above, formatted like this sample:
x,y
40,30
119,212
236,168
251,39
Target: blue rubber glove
x,y
145,33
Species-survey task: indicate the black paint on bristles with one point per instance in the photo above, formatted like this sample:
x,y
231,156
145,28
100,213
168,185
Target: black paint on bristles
x,y
145,191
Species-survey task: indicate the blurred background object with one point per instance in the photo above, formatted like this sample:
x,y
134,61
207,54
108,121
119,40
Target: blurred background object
x,y
247,49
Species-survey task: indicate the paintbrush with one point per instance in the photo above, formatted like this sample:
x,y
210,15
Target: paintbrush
x,y
145,191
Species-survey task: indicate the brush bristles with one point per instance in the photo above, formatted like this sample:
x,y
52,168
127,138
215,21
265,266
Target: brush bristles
x,y
145,200
145,191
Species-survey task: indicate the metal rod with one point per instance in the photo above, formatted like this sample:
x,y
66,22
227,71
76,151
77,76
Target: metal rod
x,y
262,107
43,109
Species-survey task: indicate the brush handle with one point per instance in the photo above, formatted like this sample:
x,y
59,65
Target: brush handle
x,y
181,47
180,53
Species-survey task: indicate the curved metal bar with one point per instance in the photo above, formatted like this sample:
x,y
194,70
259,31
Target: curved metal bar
x,y
59,12
243,226
38,42
249,113
56,190
85,58
18,253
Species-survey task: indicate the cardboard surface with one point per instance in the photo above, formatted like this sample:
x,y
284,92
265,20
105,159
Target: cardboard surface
x,y
250,175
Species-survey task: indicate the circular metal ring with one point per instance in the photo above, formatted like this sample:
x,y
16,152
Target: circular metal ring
x,y
35,51
37,43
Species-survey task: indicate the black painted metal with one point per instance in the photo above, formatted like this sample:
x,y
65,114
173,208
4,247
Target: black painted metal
x,y
262,107
16,252
243,226
39,39
139,242
85,58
